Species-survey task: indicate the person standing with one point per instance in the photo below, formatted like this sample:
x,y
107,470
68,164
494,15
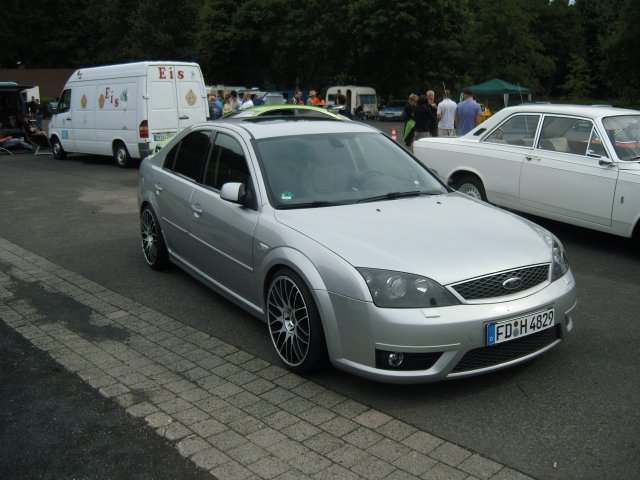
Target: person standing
x,y
312,99
433,111
468,113
236,104
409,121
446,116
246,100
228,105
423,118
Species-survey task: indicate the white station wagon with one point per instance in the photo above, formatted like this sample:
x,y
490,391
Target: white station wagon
x,y
574,164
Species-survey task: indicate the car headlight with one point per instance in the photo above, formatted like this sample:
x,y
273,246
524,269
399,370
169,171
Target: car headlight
x,y
560,264
391,289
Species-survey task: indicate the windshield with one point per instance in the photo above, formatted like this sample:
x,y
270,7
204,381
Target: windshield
x,y
624,133
340,168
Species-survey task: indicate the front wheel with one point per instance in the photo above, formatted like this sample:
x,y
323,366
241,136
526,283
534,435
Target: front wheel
x,y
294,323
56,148
471,186
121,155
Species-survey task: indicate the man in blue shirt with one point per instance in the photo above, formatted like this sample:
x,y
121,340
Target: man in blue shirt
x,y
468,113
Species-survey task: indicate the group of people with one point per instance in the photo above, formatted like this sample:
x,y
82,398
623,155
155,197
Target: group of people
x,y
32,133
423,117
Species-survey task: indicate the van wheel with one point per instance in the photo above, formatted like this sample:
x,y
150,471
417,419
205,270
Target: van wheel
x,y
121,155
56,148
471,186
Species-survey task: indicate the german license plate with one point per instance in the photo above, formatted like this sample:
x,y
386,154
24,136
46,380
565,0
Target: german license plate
x,y
520,327
158,137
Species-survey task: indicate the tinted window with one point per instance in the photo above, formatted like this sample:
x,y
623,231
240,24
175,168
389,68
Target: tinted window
x,y
190,155
226,164
517,130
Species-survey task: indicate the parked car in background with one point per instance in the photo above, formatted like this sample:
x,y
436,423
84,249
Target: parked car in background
x,y
392,111
285,110
574,164
350,250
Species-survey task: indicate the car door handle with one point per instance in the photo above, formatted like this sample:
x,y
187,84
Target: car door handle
x,y
68,118
158,187
184,117
197,209
531,158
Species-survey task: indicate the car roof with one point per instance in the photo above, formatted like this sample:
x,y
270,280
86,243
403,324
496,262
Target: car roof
x,y
269,127
593,111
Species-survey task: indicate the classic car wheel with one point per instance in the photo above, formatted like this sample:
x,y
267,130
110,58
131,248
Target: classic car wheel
x,y
294,323
153,247
121,155
56,148
471,186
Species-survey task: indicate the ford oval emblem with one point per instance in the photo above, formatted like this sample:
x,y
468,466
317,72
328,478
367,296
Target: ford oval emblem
x,y
512,283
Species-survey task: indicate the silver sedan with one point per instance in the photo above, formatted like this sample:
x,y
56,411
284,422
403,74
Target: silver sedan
x,y
352,252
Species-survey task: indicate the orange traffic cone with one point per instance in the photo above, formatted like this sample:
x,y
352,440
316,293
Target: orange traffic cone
x,y
393,134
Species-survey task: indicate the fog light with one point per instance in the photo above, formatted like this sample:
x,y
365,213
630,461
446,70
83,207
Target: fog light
x,y
395,359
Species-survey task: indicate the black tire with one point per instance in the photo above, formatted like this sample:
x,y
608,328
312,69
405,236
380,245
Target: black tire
x,y
121,155
153,246
57,150
471,186
294,323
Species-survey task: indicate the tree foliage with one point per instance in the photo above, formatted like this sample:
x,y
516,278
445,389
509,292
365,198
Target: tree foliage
x,y
555,47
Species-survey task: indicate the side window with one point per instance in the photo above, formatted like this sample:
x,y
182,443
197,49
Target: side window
x,y
189,155
226,163
565,134
596,147
65,102
518,130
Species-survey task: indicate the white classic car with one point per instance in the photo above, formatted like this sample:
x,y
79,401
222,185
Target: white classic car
x,y
574,164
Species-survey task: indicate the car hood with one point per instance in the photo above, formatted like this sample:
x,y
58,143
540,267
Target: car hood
x,y
446,237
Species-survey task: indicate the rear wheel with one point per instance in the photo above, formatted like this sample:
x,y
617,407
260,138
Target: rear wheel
x,y
121,155
471,186
294,323
56,148
153,247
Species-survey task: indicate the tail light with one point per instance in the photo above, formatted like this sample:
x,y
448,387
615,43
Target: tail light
x,y
144,129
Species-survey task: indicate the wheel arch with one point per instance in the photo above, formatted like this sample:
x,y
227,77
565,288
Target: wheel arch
x,y
461,173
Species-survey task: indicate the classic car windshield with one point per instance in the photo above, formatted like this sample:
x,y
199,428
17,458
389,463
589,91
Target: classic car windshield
x,y
624,133
328,169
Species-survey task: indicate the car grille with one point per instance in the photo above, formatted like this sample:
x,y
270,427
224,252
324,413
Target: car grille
x,y
484,357
492,286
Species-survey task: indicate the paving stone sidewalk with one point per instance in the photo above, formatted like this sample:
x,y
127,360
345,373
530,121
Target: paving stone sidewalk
x,y
233,414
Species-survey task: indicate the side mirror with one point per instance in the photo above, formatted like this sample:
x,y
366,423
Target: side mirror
x,y
234,192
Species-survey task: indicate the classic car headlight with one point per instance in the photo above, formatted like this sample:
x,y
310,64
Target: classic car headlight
x,y
560,264
391,289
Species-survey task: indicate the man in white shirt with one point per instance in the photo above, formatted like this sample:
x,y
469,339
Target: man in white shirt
x,y
246,100
446,116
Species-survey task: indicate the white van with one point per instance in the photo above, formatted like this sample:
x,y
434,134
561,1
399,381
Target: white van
x,y
356,96
124,110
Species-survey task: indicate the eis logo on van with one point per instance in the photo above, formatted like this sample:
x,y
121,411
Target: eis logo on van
x,y
109,97
167,73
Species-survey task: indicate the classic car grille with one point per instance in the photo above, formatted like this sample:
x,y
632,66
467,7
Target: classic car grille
x,y
492,286
504,352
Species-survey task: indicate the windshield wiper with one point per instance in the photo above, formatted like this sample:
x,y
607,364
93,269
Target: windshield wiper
x,y
394,195
316,204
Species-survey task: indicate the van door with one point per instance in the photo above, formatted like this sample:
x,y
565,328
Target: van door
x,y
161,103
61,122
83,118
192,107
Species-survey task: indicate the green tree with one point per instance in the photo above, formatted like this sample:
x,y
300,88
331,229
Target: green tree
x,y
620,50
506,45
578,82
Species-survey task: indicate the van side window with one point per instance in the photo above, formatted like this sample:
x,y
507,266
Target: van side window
x,y
227,163
65,102
189,155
